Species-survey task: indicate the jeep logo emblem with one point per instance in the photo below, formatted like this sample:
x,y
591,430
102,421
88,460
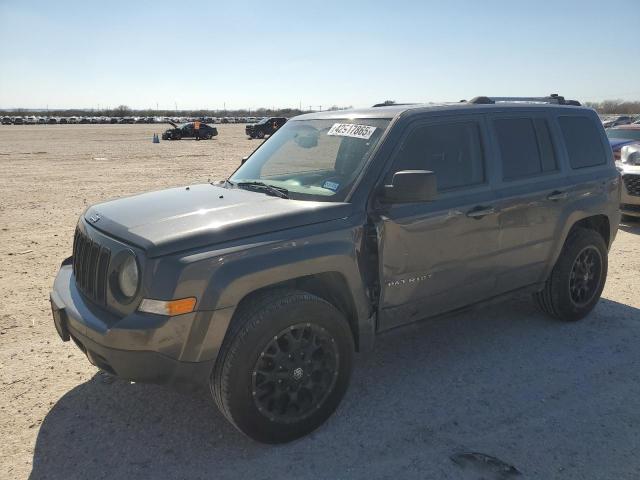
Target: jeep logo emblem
x,y
297,373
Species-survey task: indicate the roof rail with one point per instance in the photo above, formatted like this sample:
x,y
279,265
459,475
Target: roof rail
x,y
391,104
553,98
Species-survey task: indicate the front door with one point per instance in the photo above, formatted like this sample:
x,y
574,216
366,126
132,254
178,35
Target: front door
x,y
438,256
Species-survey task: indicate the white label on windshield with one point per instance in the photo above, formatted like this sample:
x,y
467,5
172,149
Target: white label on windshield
x,y
351,130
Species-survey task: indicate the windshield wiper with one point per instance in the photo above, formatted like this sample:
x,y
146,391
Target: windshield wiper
x,y
270,189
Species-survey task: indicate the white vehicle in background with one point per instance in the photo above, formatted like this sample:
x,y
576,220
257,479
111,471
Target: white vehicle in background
x,y
72,120
629,167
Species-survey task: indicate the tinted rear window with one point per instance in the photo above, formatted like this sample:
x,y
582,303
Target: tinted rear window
x,y
582,139
525,147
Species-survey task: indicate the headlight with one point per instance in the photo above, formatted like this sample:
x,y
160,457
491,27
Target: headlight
x,y
128,277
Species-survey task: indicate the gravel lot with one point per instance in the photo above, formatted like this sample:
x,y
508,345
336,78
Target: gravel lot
x,y
553,400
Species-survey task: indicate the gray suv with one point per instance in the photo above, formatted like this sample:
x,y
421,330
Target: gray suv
x,y
339,227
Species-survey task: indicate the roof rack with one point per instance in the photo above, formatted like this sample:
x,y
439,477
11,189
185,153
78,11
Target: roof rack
x,y
554,98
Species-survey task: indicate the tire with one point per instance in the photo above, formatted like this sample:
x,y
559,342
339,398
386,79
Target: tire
x,y
261,339
564,297
260,134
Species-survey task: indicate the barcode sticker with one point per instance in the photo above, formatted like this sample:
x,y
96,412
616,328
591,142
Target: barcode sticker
x,y
351,130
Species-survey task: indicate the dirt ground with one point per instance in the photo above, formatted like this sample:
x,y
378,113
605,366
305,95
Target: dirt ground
x,y
553,400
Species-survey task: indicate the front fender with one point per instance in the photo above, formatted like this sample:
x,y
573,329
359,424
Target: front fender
x,y
225,276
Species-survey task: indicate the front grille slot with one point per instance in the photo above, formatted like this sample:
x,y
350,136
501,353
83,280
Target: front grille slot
x,y
90,267
632,182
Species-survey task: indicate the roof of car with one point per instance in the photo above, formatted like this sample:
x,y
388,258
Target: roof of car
x,y
392,111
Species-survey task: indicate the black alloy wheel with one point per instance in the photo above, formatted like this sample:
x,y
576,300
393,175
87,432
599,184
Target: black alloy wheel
x,y
295,373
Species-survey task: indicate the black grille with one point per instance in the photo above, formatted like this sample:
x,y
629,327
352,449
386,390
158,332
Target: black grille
x,y
90,265
632,182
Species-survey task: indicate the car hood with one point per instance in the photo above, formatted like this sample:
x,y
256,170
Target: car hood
x,y
177,219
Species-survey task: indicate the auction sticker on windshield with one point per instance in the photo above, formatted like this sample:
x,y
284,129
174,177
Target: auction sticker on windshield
x,y
351,130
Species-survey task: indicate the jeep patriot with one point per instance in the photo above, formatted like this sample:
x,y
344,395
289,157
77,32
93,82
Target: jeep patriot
x,y
339,227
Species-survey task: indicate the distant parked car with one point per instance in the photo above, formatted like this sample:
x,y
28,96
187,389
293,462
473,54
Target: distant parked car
x,y
84,120
629,167
18,121
52,120
6,121
621,136
186,130
615,121
63,121
266,126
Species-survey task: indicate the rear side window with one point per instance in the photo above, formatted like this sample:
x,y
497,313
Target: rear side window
x,y
525,147
582,139
452,151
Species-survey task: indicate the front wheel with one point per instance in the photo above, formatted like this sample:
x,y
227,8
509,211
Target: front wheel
x,y
578,277
260,135
284,366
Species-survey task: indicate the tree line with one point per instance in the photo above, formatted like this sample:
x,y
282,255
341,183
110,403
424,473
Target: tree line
x,y
125,111
615,106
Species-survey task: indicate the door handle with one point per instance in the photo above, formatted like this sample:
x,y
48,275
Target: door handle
x,y
480,211
557,195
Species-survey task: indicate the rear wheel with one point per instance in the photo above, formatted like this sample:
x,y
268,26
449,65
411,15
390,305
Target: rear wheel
x,y
284,366
576,282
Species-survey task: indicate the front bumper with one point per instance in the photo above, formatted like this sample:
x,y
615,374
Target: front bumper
x,y
140,347
630,200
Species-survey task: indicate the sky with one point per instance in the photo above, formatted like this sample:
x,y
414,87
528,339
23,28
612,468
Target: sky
x,y
270,53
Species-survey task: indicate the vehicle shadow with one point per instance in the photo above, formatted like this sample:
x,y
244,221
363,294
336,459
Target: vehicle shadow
x,y
502,380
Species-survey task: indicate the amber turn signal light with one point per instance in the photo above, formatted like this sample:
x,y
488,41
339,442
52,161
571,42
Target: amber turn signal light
x,y
170,308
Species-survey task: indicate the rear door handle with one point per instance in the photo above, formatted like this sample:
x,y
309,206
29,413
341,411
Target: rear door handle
x,y
557,195
480,211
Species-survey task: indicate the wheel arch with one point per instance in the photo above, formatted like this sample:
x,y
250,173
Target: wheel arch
x,y
600,223
331,286
597,222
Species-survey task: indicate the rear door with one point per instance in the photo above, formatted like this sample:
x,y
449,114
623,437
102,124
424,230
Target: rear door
x,y
532,190
438,256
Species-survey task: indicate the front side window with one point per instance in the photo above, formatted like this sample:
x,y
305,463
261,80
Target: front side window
x,y
582,140
314,159
525,147
453,151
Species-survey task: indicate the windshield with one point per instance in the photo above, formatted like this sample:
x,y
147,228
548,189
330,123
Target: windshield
x,y
314,159
264,120
628,133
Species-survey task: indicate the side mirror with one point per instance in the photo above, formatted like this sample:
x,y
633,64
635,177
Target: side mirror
x,y
409,186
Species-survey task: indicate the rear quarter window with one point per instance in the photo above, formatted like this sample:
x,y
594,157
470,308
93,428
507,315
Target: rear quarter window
x,y
583,142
